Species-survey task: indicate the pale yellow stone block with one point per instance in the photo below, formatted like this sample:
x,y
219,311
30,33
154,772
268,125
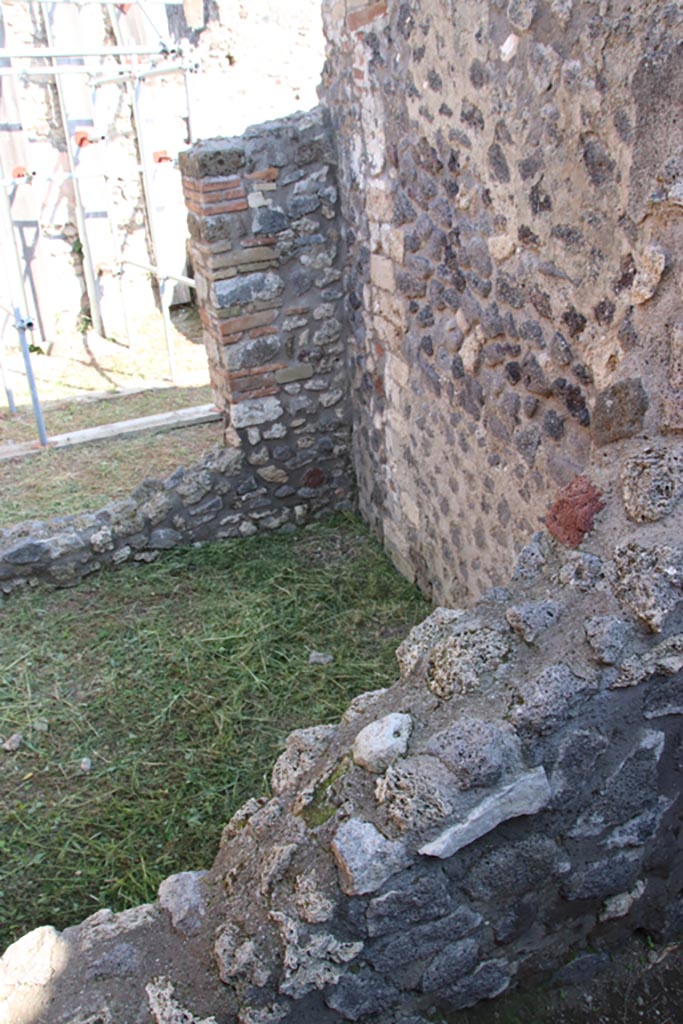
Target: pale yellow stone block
x,y
398,370
389,306
388,334
469,352
501,247
382,272
676,356
378,203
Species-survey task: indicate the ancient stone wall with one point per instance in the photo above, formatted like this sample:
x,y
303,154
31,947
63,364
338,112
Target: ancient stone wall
x,y
510,177
264,223
218,498
265,242
511,800
511,180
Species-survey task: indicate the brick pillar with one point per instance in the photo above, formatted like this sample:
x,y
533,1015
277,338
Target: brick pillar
x,y
265,246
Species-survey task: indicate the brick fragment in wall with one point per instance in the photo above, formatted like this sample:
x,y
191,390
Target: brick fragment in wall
x,y
572,514
214,208
217,190
265,174
229,329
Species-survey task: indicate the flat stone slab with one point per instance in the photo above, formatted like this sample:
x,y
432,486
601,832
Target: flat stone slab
x,y
527,794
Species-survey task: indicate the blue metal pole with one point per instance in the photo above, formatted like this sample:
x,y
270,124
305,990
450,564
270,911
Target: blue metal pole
x,y
22,321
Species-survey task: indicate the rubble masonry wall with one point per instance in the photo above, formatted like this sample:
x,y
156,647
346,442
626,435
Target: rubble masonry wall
x,y
511,182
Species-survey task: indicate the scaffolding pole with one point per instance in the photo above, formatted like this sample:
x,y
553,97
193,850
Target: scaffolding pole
x,y
52,72
22,321
99,3
3,375
95,72
133,86
88,268
52,52
163,279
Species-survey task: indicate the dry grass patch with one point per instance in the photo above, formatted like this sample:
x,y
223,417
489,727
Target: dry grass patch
x,y
61,482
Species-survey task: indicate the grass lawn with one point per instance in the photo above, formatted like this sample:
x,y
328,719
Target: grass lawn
x,y
178,682
60,482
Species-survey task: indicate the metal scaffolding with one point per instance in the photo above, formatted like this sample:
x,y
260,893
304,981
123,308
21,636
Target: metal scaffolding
x,y
98,67
22,321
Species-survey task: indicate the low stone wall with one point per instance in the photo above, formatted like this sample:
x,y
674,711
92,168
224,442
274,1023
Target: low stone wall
x,y
513,798
265,244
220,497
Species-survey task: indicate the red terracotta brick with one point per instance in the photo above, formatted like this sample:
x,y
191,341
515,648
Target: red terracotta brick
x,y
256,371
573,512
237,324
267,174
314,478
260,332
207,201
263,393
248,243
358,19
208,209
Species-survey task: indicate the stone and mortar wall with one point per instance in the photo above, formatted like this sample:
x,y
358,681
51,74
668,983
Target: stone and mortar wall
x,y
265,230
510,176
267,259
218,498
515,796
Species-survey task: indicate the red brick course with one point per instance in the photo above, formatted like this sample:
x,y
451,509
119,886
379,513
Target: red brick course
x,y
251,241
208,209
358,19
267,174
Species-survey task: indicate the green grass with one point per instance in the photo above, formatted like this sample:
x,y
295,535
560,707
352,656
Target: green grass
x,y
57,482
180,681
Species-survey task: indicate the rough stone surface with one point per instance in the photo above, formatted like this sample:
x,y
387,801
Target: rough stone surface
x,y
475,751
302,750
181,895
607,635
619,411
532,619
651,485
650,263
358,995
649,581
365,858
549,698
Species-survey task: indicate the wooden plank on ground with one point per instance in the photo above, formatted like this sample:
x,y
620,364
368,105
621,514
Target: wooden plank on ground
x,y
143,424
